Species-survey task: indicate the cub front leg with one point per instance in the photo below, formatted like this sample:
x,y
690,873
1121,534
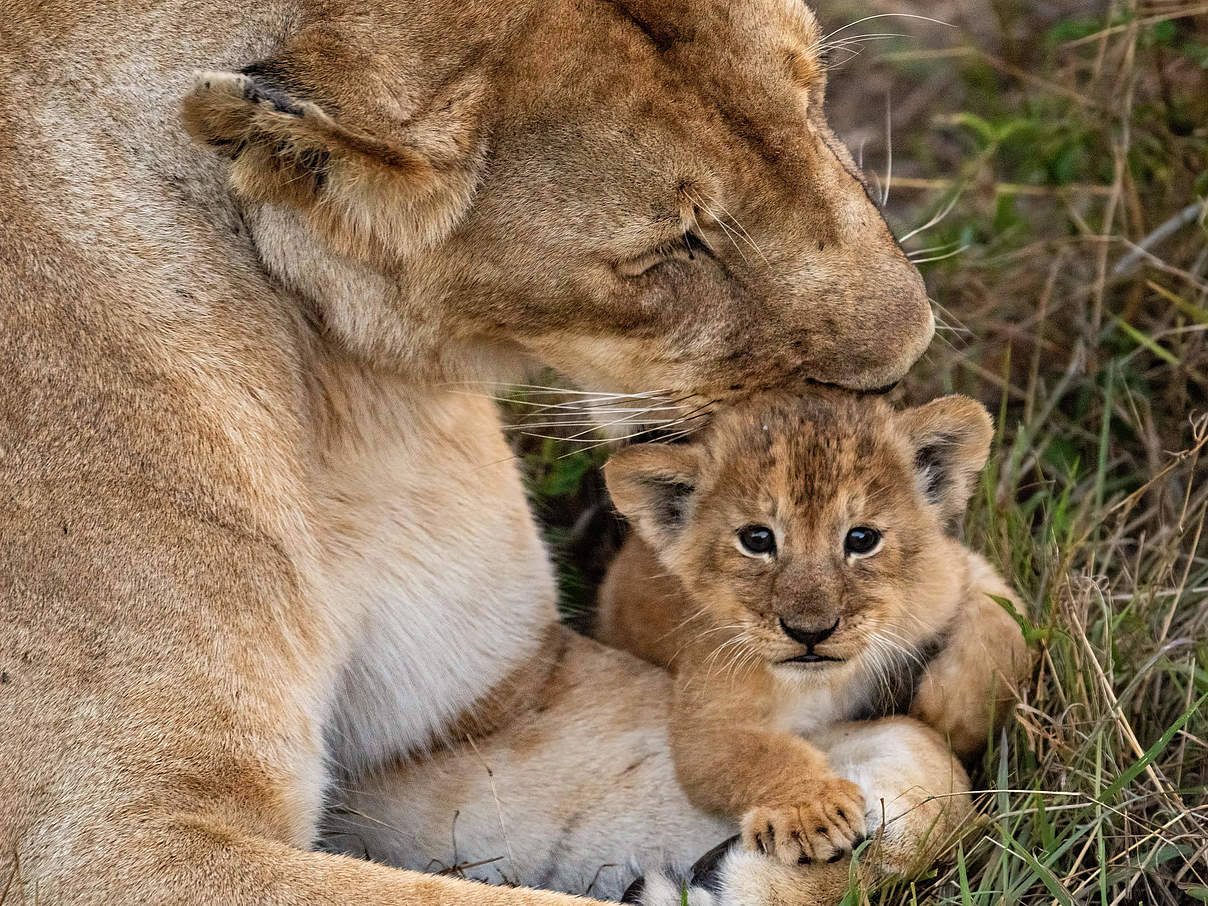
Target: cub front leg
x,y
791,803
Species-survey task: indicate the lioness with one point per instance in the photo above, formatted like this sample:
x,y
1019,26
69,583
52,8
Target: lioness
x,y
252,547
793,565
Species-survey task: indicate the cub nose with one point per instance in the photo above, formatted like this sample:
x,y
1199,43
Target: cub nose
x,y
808,637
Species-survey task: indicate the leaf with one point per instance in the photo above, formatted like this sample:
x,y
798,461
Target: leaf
x,y
1164,354
1130,773
1055,887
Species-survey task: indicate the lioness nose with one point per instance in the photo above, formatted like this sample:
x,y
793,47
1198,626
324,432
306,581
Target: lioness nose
x,y
808,637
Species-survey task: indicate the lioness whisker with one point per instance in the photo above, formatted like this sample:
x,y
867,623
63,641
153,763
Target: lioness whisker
x,y
854,46
868,36
953,254
603,443
547,387
729,234
585,423
844,28
948,314
678,434
616,421
700,203
539,388
937,219
570,410
738,226
888,148
571,406
569,440
594,442
918,253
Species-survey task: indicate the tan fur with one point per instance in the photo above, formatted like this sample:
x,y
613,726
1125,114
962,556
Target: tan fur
x,y
686,595
253,546
578,792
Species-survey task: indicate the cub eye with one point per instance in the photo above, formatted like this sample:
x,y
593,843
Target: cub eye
x,y
757,539
861,541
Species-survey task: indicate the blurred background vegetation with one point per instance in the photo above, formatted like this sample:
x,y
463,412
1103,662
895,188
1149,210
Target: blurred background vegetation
x,y
1046,164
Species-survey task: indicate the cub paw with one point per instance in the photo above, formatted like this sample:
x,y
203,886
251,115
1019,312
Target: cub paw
x,y
821,826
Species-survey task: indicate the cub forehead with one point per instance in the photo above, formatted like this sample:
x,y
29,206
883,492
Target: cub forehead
x,y
808,446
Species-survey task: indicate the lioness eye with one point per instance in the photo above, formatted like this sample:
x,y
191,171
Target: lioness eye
x,y
861,541
689,247
696,245
757,539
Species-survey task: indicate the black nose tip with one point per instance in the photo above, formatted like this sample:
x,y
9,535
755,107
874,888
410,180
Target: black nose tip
x,y
809,637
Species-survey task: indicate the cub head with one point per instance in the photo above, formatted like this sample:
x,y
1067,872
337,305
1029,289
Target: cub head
x,y
815,527
645,195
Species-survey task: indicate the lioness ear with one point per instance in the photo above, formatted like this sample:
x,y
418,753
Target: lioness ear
x,y
652,486
951,439
393,187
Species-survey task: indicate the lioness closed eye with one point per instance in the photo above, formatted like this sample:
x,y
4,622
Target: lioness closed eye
x,y
795,568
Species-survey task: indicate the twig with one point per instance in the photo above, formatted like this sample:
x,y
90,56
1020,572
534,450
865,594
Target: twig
x,y
1185,217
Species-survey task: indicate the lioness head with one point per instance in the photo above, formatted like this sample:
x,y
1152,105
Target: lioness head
x,y
644,194
815,528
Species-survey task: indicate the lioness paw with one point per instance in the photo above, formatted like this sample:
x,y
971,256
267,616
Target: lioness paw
x,y
731,875
821,827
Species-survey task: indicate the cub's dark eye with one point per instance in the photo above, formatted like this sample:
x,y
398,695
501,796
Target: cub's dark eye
x,y
757,539
861,540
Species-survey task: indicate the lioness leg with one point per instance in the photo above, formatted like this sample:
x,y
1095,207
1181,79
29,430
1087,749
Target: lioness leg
x,y
916,793
579,794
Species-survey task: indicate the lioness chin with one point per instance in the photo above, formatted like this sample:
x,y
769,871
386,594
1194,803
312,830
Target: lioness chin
x,y
253,547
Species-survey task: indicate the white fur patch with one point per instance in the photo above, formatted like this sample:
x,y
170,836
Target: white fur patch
x,y
433,560
661,890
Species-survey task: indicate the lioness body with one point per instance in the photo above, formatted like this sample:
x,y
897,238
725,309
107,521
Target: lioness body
x,y
252,545
777,633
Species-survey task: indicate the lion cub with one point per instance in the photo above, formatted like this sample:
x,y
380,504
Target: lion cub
x,y
795,566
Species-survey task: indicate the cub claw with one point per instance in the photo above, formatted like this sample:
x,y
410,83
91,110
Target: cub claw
x,y
823,826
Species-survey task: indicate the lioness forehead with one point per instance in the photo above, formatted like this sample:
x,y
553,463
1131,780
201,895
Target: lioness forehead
x,y
738,54
729,93
742,53
746,30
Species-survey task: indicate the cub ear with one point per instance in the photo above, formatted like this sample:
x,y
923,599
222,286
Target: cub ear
x,y
652,485
393,189
951,438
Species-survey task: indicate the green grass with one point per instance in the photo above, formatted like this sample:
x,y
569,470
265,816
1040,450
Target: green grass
x,y
1061,141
